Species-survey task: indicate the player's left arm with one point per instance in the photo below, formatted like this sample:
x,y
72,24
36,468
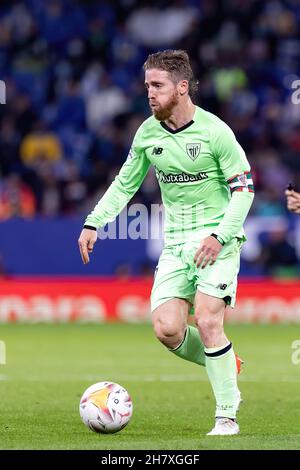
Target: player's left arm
x,y
236,170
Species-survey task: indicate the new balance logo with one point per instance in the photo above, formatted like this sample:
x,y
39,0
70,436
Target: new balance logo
x,y
157,151
221,286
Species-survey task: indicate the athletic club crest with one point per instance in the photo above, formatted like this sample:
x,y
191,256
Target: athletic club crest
x,y
242,179
193,150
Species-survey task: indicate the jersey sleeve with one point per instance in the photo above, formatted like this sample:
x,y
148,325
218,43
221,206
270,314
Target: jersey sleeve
x,y
235,216
236,170
229,153
123,188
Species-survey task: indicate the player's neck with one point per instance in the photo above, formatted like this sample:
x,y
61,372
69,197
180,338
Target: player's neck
x,y
181,115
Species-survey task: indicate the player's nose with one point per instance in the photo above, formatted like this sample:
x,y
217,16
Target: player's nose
x,y
150,93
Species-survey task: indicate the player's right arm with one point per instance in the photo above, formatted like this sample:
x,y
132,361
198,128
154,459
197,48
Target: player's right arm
x,y
122,189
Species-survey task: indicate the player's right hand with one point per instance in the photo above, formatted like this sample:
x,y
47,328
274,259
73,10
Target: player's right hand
x,y
86,243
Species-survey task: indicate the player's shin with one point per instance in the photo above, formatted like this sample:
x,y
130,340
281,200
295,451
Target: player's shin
x,y
221,371
191,348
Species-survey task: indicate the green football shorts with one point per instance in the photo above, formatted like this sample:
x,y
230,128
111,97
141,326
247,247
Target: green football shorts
x,y
177,275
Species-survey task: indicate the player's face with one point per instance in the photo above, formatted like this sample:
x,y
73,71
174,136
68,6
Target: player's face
x,y
163,94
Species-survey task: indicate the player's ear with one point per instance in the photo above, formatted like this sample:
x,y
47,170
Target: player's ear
x,y
183,87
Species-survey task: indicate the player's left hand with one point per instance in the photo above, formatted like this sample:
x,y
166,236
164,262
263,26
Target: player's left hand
x,y
207,252
86,243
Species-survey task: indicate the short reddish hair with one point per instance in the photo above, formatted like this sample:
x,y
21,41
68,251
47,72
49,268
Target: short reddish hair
x,y
176,63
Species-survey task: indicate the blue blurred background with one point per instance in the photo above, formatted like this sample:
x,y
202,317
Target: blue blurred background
x,y
75,97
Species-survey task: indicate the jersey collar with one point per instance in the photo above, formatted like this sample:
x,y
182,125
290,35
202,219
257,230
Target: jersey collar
x,y
175,131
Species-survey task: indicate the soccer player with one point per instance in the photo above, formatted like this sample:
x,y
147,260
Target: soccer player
x,y
207,191
293,200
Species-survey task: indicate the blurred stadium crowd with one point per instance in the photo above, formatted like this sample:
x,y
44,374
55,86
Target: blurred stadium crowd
x,y
75,95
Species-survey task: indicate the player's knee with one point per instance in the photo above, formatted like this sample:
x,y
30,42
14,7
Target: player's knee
x,y
167,331
208,325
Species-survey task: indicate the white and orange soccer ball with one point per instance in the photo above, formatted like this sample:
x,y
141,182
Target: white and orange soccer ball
x,y
105,407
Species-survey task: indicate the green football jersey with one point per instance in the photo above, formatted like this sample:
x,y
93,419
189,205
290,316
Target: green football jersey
x,y
197,167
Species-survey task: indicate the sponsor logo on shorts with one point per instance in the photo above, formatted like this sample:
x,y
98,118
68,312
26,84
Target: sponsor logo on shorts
x,y
222,286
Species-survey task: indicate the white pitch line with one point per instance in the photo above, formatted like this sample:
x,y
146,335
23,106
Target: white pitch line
x,y
146,378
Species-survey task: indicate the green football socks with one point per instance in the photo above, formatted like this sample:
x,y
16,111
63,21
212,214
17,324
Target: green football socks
x,y
221,371
191,348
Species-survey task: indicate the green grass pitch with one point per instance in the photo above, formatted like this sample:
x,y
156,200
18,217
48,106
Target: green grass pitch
x,y
49,366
